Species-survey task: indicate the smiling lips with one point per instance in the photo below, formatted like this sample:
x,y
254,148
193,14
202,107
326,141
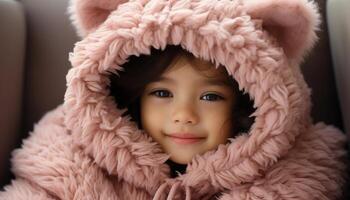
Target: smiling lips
x,y
185,138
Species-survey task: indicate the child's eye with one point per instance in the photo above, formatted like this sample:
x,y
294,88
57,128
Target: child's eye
x,y
212,97
161,93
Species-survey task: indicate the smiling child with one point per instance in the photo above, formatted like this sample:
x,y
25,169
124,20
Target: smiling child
x,y
185,100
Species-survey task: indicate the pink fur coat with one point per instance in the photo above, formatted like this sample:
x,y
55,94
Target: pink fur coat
x,y
85,150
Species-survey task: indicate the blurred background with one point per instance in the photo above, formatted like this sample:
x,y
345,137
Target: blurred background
x,y
36,37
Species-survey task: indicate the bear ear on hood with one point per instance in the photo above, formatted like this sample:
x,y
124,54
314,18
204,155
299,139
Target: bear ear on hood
x,y
87,15
292,22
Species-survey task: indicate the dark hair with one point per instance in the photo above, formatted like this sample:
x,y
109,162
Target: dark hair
x,y
127,87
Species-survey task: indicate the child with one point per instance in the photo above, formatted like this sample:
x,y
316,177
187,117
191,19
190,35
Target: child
x,y
207,102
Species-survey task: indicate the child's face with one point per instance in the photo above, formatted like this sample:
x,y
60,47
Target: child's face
x,y
188,111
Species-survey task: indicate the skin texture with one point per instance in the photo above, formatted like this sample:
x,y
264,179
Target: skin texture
x,y
184,101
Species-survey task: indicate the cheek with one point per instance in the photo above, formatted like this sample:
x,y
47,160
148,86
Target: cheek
x,y
151,117
218,122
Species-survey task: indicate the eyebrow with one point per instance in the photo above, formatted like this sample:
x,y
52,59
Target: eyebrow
x,y
217,82
165,79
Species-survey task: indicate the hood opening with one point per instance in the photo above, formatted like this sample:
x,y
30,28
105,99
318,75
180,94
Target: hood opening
x,y
126,87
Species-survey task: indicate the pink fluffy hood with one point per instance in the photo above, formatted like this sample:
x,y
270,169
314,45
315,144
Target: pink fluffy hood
x,y
95,153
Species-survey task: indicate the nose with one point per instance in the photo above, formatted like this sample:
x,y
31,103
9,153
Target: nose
x,y
185,114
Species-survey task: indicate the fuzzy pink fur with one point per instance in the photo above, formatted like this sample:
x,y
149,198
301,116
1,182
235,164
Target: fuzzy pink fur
x,y
292,22
86,15
84,149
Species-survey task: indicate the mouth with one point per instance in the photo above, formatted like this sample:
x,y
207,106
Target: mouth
x,y
185,138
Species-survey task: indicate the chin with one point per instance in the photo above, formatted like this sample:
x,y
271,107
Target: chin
x,y
182,161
